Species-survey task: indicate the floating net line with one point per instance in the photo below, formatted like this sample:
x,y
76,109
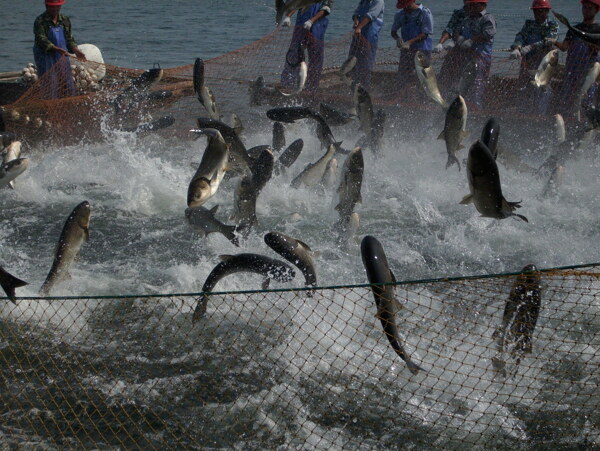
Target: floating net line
x,y
84,110
277,368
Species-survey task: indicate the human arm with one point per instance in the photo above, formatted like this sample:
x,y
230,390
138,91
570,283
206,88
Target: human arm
x,y
40,32
362,24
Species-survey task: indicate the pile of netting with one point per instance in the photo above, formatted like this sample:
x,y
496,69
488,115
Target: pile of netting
x,y
274,368
69,108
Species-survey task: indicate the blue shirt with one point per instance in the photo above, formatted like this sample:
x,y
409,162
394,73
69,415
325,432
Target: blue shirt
x,y
484,25
373,9
413,24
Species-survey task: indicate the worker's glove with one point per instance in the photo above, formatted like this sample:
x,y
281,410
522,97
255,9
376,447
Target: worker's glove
x,y
515,54
459,40
438,48
466,44
449,44
286,22
526,49
308,25
401,44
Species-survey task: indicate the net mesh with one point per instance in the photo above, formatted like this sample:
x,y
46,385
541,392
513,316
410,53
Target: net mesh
x,y
230,76
277,368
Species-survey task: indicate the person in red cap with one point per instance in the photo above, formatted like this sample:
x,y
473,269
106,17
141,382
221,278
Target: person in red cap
x,y
415,22
581,57
53,38
531,44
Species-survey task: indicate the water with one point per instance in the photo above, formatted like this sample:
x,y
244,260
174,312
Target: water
x,y
283,370
138,34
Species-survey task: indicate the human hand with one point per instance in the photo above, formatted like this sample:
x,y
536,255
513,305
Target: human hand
x,y
515,54
466,44
357,30
308,25
449,44
438,48
286,22
526,49
401,44
80,55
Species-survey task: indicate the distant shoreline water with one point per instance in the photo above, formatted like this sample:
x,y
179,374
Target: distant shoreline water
x,y
137,34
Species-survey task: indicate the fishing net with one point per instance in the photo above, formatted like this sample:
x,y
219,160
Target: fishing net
x,y
267,369
67,105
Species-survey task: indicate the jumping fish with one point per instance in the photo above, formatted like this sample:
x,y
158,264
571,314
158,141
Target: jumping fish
x,y
210,172
294,113
364,110
484,184
329,178
288,156
426,76
381,277
9,283
125,101
588,81
204,93
490,135
590,38
346,68
12,152
278,137
334,117
313,173
349,187
454,129
74,233
239,159
204,222
11,170
546,70
297,253
267,267
520,317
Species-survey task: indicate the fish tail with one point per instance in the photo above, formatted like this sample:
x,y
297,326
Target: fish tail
x,y
413,367
200,309
230,234
520,217
10,283
452,160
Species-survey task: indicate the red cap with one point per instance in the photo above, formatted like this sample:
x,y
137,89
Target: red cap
x,y
480,1
594,2
55,2
541,4
403,3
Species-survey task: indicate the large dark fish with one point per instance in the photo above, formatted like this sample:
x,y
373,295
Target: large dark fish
x,y
198,76
294,113
238,156
288,156
379,273
9,283
231,264
520,316
204,222
297,253
74,233
484,184
490,135
455,129
333,116
126,100
590,38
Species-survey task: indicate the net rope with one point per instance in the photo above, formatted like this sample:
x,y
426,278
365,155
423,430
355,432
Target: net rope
x,y
274,368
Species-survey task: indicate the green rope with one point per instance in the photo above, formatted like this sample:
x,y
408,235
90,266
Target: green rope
x,y
288,290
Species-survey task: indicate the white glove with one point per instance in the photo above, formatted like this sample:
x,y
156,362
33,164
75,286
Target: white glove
x,y
526,49
308,25
449,44
438,48
466,44
401,44
515,54
286,22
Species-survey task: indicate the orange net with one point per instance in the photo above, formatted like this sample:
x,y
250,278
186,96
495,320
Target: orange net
x,y
52,110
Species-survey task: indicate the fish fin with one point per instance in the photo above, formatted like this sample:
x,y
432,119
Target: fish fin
x,y
266,283
231,236
442,135
200,309
520,217
214,209
225,257
452,160
393,277
304,245
10,284
11,184
467,199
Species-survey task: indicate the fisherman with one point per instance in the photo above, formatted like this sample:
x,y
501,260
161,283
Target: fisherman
x,y
580,58
532,43
367,22
452,64
475,41
416,22
53,43
309,34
